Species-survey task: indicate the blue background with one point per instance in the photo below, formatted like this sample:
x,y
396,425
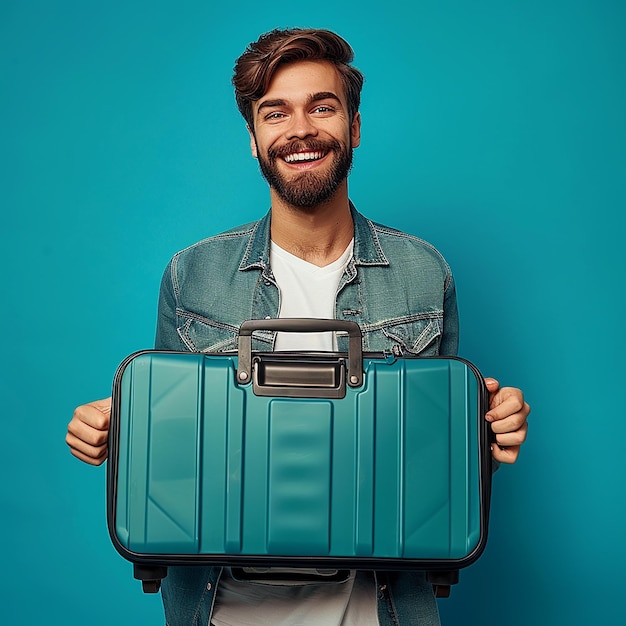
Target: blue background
x,y
496,130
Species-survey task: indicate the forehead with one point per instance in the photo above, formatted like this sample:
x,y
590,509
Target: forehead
x,y
296,81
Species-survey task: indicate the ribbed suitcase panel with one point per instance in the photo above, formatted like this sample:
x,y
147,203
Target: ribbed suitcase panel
x,y
161,469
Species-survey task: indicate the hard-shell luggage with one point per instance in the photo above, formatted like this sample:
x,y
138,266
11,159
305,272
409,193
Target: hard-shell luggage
x,y
324,461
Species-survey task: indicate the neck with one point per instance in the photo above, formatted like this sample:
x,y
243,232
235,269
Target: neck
x,y
318,234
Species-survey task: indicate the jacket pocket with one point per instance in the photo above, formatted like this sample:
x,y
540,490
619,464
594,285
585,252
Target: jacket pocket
x,y
419,336
201,334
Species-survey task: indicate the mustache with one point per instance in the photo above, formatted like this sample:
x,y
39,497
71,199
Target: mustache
x,y
302,145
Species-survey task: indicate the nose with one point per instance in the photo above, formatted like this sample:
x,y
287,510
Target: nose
x,y
301,126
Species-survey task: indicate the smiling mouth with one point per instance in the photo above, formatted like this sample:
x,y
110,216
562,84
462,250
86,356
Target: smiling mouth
x,y
304,157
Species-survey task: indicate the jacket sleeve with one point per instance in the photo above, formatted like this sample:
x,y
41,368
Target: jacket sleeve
x,y
450,339
167,337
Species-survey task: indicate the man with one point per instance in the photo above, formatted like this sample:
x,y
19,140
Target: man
x,y
313,255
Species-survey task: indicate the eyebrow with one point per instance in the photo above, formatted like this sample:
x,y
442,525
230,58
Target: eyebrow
x,y
315,97
325,95
270,104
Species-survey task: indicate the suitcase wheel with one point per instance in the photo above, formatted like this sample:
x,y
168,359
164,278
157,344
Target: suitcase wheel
x,y
150,576
442,581
151,586
441,591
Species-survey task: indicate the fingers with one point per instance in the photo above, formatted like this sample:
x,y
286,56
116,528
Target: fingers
x,y
95,414
88,431
510,437
508,414
507,406
505,455
507,446
512,429
93,455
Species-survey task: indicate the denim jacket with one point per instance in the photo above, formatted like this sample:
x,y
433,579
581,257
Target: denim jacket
x,y
398,288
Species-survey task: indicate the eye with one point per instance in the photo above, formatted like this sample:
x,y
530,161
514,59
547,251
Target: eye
x,y
274,115
323,109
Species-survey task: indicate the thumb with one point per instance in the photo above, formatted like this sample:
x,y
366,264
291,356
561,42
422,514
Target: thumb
x,y
492,385
104,406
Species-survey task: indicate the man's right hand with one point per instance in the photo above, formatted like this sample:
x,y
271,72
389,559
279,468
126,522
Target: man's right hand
x,y
88,432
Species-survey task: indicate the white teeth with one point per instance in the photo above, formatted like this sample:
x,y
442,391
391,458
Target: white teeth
x,y
303,156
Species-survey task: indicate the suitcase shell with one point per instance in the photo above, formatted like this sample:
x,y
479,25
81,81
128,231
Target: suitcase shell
x,y
327,461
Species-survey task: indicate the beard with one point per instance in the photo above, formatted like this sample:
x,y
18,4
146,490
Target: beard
x,y
307,189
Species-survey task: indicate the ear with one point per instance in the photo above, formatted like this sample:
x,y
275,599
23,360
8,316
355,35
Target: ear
x,y
355,130
253,147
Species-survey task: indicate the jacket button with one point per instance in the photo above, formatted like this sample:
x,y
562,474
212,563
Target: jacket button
x,y
208,586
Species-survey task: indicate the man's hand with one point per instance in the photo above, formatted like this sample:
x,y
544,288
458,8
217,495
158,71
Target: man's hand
x,y
508,414
88,432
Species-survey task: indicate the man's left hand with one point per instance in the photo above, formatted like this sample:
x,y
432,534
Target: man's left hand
x,y
508,413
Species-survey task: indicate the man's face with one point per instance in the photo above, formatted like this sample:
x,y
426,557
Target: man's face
x,y
302,136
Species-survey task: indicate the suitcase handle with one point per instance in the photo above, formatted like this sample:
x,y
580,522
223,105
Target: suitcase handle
x,y
301,325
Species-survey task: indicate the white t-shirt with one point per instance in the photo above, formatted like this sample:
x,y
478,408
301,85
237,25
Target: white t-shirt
x,y
306,290
349,603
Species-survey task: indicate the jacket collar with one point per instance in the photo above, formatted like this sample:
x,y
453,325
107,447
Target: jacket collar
x,y
367,246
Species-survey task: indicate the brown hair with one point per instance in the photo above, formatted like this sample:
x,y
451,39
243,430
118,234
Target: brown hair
x,y
255,68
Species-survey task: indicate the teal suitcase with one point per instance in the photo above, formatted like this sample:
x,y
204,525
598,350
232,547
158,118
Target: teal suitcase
x,y
325,461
